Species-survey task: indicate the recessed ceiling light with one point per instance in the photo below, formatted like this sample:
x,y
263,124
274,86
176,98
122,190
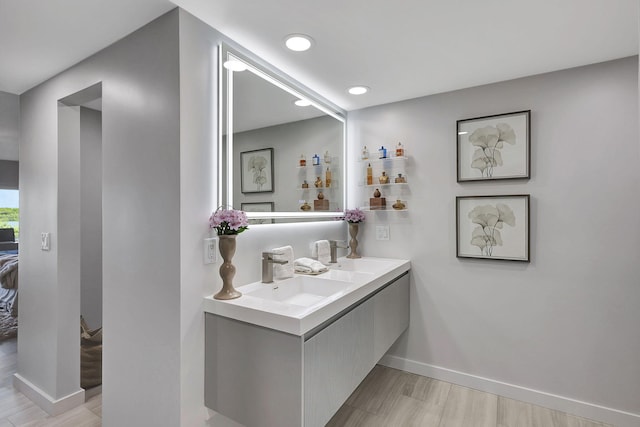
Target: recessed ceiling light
x,y
358,90
302,102
298,42
235,65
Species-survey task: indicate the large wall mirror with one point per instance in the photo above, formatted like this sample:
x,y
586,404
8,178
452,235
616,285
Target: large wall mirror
x,y
282,150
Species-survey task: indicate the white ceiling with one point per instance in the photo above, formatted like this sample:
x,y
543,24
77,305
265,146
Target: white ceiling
x,y
39,39
401,49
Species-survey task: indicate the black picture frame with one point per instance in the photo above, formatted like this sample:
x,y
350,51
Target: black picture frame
x,y
256,171
481,223
258,207
496,147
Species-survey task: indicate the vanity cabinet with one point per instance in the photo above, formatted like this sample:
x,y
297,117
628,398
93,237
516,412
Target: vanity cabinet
x,y
263,377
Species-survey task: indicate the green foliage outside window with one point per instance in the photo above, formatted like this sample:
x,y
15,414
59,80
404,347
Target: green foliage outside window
x,y
9,218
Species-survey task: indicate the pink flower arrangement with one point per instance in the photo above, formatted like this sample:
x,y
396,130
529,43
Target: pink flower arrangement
x,y
228,221
354,215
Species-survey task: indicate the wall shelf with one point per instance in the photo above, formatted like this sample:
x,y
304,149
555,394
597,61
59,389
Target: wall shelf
x,y
386,159
391,184
387,209
392,191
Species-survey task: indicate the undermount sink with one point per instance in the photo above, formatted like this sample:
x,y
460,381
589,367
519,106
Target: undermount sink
x,y
300,290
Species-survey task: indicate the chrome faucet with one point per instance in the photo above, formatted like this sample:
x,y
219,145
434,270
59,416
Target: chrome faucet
x,y
267,266
333,246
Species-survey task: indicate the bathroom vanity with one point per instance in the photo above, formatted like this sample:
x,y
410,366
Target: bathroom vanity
x,y
290,353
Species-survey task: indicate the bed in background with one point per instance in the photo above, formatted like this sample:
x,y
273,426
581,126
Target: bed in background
x,y
8,296
9,284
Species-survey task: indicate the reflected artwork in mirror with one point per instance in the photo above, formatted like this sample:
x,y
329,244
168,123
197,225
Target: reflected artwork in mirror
x,y
262,112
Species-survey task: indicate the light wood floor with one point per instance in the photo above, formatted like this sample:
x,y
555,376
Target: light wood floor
x,y
389,397
17,410
386,398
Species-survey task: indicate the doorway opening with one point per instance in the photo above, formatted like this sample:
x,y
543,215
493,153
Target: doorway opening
x,y
80,224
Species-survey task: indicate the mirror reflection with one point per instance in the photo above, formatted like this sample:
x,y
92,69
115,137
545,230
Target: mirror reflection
x,y
285,160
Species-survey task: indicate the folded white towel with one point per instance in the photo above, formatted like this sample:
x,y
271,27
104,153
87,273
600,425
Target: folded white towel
x,y
321,251
308,265
283,271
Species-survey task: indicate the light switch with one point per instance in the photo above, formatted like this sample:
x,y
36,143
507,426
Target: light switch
x,y
45,241
210,251
382,232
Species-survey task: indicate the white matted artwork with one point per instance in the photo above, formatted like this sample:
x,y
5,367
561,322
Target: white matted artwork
x,y
258,207
493,227
494,147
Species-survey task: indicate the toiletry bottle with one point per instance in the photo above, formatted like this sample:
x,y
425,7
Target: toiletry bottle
x,y
303,160
383,152
316,160
305,184
318,183
384,178
398,205
327,157
327,179
365,153
305,207
400,179
369,175
399,150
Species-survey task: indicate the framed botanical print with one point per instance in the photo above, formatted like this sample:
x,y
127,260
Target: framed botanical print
x,y
493,227
494,147
256,171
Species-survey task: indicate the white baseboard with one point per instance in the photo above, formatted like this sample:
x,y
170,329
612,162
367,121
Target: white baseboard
x,y
47,403
560,403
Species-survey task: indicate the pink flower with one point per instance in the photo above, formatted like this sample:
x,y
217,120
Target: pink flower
x,y
228,221
354,215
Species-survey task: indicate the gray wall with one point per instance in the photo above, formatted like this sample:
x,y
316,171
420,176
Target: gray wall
x,y
566,323
91,216
198,197
66,238
141,211
9,126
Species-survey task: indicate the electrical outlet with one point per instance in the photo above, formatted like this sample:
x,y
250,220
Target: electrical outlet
x,y
210,252
382,232
45,241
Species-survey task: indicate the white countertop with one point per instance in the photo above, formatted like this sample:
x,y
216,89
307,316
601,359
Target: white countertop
x,y
296,319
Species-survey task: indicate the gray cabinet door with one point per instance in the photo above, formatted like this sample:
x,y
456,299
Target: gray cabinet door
x,y
336,360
